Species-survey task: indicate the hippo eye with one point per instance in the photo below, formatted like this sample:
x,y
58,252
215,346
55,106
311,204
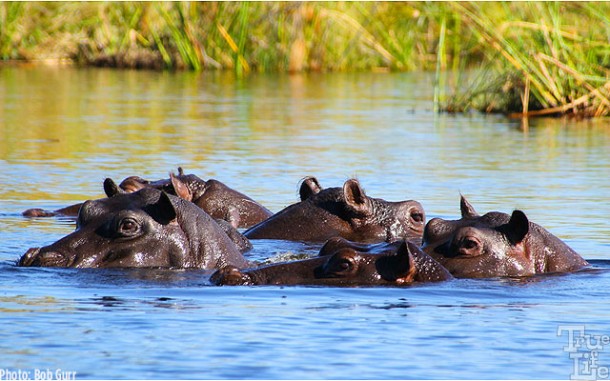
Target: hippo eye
x,y
469,247
128,226
341,267
344,265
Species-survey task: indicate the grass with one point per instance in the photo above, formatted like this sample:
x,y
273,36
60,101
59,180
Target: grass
x,y
525,58
542,59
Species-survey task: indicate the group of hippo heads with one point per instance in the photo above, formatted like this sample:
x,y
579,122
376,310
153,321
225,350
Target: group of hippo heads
x,y
184,222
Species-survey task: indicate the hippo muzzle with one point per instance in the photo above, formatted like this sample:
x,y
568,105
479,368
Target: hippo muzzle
x,y
34,257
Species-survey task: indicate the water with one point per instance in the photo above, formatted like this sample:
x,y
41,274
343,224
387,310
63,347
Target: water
x,y
64,130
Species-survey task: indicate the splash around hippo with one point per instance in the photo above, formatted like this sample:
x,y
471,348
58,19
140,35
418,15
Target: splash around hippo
x,y
345,212
147,228
497,245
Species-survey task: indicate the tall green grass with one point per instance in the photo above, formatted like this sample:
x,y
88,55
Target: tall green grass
x,y
528,58
542,58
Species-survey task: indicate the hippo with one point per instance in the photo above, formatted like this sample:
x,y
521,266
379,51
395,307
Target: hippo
x,y
344,212
344,263
68,211
496,245
182,191
146,228
214,197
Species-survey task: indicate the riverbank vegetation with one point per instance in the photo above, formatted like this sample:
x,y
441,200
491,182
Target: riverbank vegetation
x,y
530,58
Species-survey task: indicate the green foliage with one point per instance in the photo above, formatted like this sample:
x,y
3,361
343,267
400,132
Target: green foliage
x,y
542,58
529,56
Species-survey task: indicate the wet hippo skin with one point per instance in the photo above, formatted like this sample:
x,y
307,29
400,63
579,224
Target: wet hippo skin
x,y
147,228
345,212
344,263
496,244
217,199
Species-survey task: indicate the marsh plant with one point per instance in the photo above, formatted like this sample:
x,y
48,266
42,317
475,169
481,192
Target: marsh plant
x,y
531,58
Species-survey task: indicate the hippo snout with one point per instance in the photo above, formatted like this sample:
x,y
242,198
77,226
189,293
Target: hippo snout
x,y
230,276
28,258
34,257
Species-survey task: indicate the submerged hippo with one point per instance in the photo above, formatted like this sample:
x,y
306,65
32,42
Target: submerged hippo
x,y
147,228
345,212
496,244
214,197
342,262
68,211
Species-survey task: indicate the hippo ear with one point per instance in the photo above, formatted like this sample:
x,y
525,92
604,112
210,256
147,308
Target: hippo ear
x,y
355,197
400,267
162,211
309,187
180,171
467,209
111,188
517,228
180,188
404,260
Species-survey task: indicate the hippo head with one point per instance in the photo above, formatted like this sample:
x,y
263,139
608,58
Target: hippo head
x,y
147,228
191,186
344,263
350,264
373,219
346,212
213,196
397,262
496,244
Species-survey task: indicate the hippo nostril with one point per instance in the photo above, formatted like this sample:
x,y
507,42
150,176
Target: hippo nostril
x,y
28,258
228,275
417,217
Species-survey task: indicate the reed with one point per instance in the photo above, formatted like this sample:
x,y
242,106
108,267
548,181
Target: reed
x,y
527,58
541,60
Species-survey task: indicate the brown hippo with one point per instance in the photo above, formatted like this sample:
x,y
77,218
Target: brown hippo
x,y
342,263
496,245
68,211
214,197
345,212
147,228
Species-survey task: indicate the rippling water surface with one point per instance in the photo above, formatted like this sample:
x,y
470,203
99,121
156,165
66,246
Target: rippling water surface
x,y
64,130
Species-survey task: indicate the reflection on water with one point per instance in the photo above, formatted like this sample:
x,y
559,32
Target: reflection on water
x,y
64,130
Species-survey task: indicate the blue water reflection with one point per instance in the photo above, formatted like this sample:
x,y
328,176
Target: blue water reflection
x,y
64,130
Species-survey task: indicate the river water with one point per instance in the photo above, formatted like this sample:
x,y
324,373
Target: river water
x,y
63,130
